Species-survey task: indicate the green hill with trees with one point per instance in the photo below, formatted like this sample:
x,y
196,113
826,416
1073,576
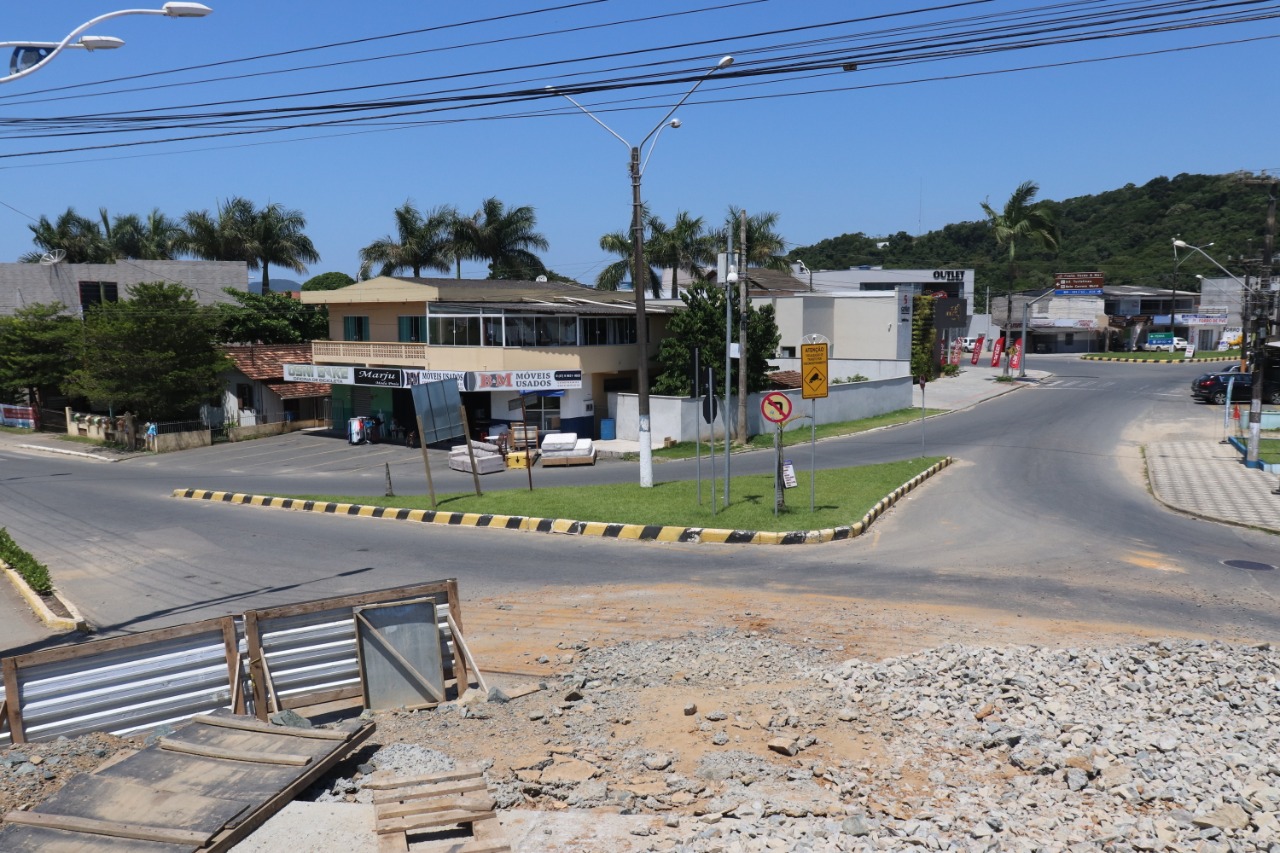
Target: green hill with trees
x,y
1125,233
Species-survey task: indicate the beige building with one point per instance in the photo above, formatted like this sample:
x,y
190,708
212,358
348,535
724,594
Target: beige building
x,y
565,346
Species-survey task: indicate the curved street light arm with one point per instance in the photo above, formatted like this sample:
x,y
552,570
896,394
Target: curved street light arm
x,y
590,115
170,10
723,63
1181,244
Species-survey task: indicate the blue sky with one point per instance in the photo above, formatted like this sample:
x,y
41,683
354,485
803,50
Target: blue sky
x,y
893,146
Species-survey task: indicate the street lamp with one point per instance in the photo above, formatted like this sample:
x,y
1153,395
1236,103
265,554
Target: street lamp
x,y
638,266
1259,361
1173,287
29,57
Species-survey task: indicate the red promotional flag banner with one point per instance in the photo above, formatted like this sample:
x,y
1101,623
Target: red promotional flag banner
x,y
977,349
1015,361
996,351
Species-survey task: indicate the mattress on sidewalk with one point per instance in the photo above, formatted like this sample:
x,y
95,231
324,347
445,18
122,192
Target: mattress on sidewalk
x,y
583,452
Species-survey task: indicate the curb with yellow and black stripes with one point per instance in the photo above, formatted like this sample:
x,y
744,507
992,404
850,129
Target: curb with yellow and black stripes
x,y
1157,360
645,532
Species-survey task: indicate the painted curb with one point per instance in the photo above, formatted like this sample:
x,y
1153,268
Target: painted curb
x,y
1155,360
640,532
50,619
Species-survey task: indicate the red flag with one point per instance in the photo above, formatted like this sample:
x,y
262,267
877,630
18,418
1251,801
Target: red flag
x,y
996,351
1015,361
977,349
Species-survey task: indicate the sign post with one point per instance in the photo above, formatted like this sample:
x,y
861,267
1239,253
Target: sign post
x,y
776,408
922,384
814,362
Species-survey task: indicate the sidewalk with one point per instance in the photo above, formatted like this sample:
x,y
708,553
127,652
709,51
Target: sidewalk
x,y
1209,479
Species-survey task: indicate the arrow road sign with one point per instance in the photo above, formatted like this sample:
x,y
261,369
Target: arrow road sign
x,y
776,407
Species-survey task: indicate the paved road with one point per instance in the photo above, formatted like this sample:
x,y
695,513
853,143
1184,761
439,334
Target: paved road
x,y
1046,513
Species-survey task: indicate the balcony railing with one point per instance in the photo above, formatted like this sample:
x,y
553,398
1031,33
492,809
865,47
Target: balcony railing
x,y
380,352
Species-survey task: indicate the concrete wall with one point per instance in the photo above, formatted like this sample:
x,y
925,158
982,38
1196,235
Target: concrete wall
x,y
859,325
26,284
173,441
677,417
844,368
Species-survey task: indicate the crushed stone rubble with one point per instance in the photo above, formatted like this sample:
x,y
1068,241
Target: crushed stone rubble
x,y
1166,746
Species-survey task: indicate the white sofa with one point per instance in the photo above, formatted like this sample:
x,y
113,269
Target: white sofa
x,y
565,448
488,458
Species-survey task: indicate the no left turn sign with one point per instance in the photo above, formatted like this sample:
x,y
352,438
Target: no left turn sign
x,y
776,407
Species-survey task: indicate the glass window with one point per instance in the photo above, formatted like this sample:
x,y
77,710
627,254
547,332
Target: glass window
x,y
454,331
493,331
411,329
608,331
355,328
97,292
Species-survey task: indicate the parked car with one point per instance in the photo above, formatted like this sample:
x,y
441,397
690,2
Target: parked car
x,y
1178,344
1212,387
967,344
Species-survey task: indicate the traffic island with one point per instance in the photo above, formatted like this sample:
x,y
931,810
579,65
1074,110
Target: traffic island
x,y
572,527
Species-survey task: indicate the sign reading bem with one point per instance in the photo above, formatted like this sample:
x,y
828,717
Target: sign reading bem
x,y
523,380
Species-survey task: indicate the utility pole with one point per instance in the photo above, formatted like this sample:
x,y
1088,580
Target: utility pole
x,y
742,329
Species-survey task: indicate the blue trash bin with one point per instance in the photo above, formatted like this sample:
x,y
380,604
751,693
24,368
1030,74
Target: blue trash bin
x,y
608,429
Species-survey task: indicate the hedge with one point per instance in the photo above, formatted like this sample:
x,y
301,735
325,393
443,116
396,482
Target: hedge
x,y
34,572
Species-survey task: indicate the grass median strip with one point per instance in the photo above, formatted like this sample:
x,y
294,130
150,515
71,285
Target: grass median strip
x,y
844,496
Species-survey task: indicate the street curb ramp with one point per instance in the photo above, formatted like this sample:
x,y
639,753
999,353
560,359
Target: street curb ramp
x,y
602,529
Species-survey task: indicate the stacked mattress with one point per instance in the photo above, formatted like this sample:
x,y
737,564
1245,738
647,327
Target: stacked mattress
x,y
488,458
565,448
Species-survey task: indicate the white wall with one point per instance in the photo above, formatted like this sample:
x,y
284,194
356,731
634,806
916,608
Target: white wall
x,y
676,417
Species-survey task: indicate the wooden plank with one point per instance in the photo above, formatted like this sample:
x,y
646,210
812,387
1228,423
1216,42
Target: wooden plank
x,y
229,839
392,811
257,678
231,643
393,842
367,627
455,610
255,756
405,781
237,701
460,644
115,829
272,698
105,798
380,596
307,700
172,771
96,647
13,701
418,792
38,839
250,724
435,819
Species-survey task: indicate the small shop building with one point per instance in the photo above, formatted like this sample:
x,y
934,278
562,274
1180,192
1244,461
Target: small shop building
x,y
543,353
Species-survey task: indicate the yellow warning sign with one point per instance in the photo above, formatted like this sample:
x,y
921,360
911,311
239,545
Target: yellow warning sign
x,y
813,371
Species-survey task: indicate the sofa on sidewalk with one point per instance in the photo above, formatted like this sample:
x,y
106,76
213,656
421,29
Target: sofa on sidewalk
x,y
565,448
488,458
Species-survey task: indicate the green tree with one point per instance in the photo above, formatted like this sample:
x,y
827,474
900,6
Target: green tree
x,y
1020,222
924,339
155,238
505,238
328,281
37,347
270,318
155,353
765,247
684,247
420,242
700,324
219,236
80,238
261,237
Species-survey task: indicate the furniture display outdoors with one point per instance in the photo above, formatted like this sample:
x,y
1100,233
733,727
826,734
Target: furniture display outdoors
x,y
488,458
565,448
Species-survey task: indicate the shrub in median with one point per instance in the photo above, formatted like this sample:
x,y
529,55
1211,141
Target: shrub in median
x,y
34,572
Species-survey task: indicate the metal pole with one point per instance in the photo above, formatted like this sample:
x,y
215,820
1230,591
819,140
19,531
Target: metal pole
x,y
922,453
813,450
697,422
742,330
639,279
777,466
728,370
711,396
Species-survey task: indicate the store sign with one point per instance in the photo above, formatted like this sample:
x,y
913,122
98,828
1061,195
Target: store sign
x,y
904,305
328,374
1202,319
378,377
948,275
23,417
522,380
422,377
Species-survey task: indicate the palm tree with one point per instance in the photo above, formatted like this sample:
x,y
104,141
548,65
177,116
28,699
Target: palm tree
x,y
153,239
682,247
276,237
80,238
506,239
765,247
241,232
1021,221
619,243
420,241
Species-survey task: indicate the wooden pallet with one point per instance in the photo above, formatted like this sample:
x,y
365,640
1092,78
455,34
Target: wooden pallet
x,y
457,799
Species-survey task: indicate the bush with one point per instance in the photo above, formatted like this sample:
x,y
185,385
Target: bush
x,y
35,573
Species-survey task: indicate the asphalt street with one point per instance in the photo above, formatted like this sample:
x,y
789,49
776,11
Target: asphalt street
x,y
1045,513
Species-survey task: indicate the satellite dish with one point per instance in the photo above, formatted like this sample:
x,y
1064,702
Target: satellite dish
x,y
54,256
541,278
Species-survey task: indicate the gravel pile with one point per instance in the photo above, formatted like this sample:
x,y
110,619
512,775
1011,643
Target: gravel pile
x,y
30,772
1170,746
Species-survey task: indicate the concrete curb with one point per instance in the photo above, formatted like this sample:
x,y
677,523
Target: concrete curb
x,y
1154,360
67,452
641,532
51,620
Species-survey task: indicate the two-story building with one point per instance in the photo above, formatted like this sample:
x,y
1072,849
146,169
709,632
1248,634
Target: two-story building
x,y
570,344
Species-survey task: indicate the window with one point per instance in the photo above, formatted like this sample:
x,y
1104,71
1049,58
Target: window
x,y
411,329
542,412
97,292
788,352
608,331
355,328
453,331
244,394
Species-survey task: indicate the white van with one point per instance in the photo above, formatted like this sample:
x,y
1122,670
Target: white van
x,y
967,344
